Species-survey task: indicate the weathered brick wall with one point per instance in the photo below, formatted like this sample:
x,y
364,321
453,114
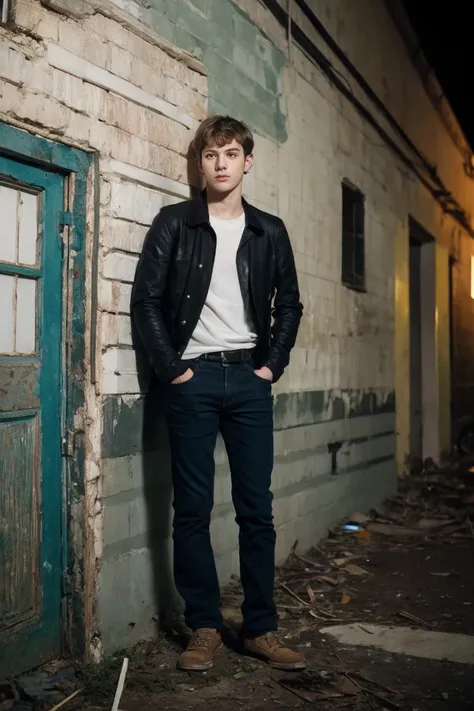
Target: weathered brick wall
x,y
87,75
107,80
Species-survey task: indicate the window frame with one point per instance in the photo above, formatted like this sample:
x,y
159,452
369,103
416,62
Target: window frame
x,y
353,238
4,11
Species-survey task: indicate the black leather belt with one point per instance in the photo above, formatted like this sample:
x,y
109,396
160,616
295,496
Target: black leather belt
x,y
240,356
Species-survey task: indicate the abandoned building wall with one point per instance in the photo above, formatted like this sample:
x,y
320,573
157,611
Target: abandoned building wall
x,y
80,74
132,80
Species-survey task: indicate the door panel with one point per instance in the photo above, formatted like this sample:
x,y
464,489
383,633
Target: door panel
x,y
31,200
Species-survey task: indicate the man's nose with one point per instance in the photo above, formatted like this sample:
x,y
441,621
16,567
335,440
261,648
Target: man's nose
x,y
221,162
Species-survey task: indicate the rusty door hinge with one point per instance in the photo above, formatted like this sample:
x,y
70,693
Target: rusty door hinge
x,y
68,443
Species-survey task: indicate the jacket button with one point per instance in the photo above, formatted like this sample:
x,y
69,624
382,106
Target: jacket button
x,y
188,296
200,266
183,323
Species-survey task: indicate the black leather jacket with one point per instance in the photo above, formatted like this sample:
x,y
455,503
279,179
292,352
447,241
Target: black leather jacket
x,y
174,273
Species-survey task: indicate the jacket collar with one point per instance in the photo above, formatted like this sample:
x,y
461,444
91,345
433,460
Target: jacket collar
x,y
198,214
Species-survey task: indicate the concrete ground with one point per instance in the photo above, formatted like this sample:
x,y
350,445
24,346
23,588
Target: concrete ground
x,y
384,614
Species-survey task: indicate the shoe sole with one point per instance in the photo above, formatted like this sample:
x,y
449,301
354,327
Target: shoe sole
x,y
294,666
200,667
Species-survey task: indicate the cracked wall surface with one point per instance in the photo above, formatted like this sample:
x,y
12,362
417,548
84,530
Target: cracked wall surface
x,y
132,80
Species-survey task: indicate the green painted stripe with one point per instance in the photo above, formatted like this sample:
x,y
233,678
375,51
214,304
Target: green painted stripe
x,y
310,407
133,426
22,415
17,270
130,545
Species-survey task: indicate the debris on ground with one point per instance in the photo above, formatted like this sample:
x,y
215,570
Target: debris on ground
x,y
407,563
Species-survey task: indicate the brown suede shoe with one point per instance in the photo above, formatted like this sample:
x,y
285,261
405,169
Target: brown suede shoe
x,y
273,651
202,648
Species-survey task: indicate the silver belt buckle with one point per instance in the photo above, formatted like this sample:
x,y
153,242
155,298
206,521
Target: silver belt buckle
x,y
223,358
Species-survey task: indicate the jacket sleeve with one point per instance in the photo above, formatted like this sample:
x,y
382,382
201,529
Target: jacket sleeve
x,y
147,299
287,308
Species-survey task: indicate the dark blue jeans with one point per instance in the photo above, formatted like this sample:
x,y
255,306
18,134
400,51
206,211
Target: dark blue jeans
x,y
232,399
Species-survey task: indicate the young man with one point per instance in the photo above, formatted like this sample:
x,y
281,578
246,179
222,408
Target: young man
x,y
212,273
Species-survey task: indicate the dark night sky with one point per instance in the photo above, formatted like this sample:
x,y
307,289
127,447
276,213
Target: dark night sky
x,y
445,33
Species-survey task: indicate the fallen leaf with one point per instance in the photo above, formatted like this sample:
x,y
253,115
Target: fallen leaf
x,y
346,686
353,569
340,561
345,599
311,594
327,579
240,675
362,534
442,575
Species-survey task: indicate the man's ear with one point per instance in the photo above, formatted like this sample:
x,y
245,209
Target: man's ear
x,y
248,163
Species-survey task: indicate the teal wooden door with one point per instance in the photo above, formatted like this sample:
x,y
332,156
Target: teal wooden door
x,y
31,200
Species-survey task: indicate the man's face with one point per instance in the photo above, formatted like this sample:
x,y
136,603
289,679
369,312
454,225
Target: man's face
x,y
224,168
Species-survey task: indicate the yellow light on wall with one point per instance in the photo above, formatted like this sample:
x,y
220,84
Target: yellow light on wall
x,y
472,276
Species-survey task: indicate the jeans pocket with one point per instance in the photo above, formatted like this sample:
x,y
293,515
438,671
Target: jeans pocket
x,y
249,367
194,366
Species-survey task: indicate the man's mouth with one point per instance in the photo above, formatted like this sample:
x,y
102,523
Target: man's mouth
x,y
222,178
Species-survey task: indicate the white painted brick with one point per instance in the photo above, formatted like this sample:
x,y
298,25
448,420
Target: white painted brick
x,y
78,127
114,296
137,120
72,37
171,188
48,26
123,235
121,361
68,90
12,64
119,384
120,62
134,202
116,330
93,72
43,110
119,266
119,372
111,141
28,14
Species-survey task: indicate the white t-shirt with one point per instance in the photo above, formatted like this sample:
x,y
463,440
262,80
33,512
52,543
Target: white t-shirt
x,y
223,324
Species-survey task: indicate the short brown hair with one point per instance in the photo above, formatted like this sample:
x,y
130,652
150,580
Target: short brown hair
x,y
220,130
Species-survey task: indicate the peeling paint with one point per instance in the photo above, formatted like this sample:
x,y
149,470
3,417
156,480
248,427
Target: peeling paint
x,y
315,406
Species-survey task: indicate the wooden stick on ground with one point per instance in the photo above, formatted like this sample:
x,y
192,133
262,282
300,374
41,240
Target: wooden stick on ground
x,y
65,701
384,701
413,618
290,592
120,685
376,683
308,561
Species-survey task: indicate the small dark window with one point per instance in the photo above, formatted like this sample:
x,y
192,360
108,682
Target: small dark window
x,y
4,7
353,243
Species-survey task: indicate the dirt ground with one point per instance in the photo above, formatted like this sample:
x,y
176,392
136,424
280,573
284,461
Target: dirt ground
x,y
408,564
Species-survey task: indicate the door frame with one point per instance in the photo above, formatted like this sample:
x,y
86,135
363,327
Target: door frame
x,y
77,167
